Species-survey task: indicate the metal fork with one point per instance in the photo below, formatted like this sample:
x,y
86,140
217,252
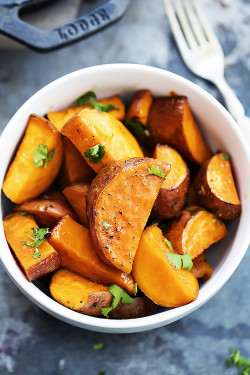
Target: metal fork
x,y
202,53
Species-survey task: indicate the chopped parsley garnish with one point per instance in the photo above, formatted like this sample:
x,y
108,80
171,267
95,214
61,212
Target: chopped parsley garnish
x,y
118,294
98,346
38,239
101,373
95,154
160,222
106,224
156,171
109,136
88,98
135,127
24,213
235,359
169,244
101,106
226,157
42,157
180,261
136,289
85,98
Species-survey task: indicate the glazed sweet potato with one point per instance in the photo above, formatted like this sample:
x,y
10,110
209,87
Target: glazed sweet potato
x,y
23,180
48,209
79,294
74,167
159,279
91,128
201,269
194,231
171,122
216,188
76,251
119,202
15,227
139,107
59,119
173,191
142,306
76,195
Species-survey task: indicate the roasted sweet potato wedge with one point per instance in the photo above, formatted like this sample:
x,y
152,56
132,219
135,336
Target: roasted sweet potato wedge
x,y
119,202
76,195
48,209
108,138
74,167
171,122
216,188
157,277
79,294
59,118
173,191
194,231
15,227
139,107
142,306
76,251
201,269
25,181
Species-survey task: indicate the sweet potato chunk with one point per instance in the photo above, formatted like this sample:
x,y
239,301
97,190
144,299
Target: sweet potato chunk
x,y
90,128
15,227
216,188
139,107
142,306
157,277
119,202
76,195
59,119
171,122
173,191
201,269
194,231
48,209
76,251
24,181
79,294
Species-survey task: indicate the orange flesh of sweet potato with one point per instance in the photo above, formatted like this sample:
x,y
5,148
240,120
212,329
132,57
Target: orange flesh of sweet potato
x,y
216,188
157,277
172,194
171,122
194,231
139,107
201,269
23,181
76,195
76,251
91,127
15,227
47,210
122,195
59,119
79,294
142,306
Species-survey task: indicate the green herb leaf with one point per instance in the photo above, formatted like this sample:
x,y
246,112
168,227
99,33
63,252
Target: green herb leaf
x,y
180,261
24,213
160,222
135,127
226,157
118,294
98,346
95,154
169,244
41,156
101,373
235,359
106,224
156,171
36,254
136,289
38,239
109,136
102,107
85,98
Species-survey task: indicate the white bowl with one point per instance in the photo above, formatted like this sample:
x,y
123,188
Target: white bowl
x,y
221,132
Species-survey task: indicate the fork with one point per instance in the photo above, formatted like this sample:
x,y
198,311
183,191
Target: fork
x,y
202,53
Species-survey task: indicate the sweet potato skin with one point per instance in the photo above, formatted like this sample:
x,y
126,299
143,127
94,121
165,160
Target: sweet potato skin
x,y
79,294
23,181
76,195
172,195
47,210
77,253
122,195
15,227
171,122
215,188
140,106
142,306
157,278
201,269
91,127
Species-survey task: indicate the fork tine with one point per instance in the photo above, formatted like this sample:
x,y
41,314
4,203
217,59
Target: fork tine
x,y
185,25
197,30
